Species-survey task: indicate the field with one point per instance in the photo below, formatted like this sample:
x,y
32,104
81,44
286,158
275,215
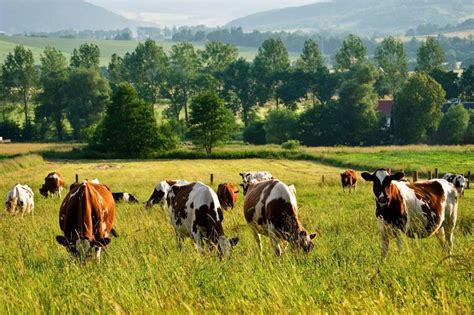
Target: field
x,y
144,272
107,47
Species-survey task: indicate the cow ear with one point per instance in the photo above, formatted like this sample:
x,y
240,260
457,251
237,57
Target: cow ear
x,y
367,176
62,240
312,236
234,241
397,176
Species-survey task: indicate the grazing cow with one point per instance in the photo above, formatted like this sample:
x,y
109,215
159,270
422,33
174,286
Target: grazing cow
x,y
124,197
86,218
459,181
160,193
53,183
195,212
20,199
227,194
348,179
270,209
253,177
417,209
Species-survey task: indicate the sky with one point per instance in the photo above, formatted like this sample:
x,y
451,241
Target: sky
x,y
192,12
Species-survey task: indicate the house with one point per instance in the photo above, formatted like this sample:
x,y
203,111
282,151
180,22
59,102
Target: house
x,y
384,107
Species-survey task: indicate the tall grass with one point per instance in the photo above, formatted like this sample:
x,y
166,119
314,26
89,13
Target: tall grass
x,y
144,272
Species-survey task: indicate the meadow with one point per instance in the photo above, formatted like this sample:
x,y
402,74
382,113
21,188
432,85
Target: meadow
x,y
142,270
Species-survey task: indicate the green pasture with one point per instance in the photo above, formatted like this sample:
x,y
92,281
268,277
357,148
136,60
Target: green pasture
x,y
142,270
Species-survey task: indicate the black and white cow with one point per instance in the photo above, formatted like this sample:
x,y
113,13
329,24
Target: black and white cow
x,y
253,177
20,199
459,181
160,193
124,197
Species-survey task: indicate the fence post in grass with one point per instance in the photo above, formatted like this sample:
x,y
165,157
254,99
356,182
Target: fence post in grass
x,y
322,179
429,175
77,178
415,176
436,173
212,179
468,179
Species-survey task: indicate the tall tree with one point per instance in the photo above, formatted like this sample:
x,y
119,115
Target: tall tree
x,y
211,123
115,70
217,56
271,62
239,79
453,125
391,58
467,84
352,52
20,76
310,70
51,98
311,59
430,56
87,56
448,80
417,109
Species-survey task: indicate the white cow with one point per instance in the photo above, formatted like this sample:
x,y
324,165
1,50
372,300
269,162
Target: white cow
x,y
254,177
160,193
459,181
20,199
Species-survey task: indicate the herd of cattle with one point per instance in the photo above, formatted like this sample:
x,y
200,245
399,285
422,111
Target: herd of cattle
x,y
86,215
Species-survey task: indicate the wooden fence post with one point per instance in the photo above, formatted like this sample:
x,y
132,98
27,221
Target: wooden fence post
x,y
77,178
468,179
322,179
436,173
415,176
212,179
429,175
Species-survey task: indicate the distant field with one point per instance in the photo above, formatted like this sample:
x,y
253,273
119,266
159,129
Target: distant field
x,y
144,272
107,47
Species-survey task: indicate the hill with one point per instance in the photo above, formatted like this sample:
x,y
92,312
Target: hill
x,y
18,16
366,17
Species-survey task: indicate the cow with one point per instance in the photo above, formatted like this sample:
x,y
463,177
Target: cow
x,y
86,218
53,184
227,194
195,212
418,209
124,197
160,193
348,179
253,177
20,199
270,208
459,181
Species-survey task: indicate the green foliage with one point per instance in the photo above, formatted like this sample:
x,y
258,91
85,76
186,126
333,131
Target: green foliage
x,y
291,145
448,80
453,125
352,52
254,133
87,94
217,56
10,130
417,109
292,88
430,56
129,127
311,59
469,135
87,56
211,123
319,125
280,125
391,58
467,84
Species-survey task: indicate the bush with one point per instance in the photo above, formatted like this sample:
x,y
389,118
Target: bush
x,y
453,125
281,125
254,133
291,145
10,130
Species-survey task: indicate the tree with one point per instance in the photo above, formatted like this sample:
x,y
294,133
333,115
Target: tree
x,y
20,76
416,110
271,62
239,79
320,125
467,84
469,135
352,52
453,125
115,70
448,80
254,133
210,123
217,56
87,94
292,88
129,128
430,56
88,56
310,60
392,60
281,125
51,99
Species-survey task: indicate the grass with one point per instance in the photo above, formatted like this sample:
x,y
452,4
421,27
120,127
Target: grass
x,y
143,271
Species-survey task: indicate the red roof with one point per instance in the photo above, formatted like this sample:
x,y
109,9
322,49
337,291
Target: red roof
x,y
385,107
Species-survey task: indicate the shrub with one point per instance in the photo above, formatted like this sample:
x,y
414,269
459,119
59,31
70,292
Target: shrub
x,y
291,145
254,133
453,125
281,125
10,130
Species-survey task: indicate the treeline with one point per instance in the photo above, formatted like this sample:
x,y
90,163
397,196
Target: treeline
x,y
429,28
206,93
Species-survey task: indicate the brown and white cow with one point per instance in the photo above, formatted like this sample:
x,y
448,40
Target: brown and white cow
x,y
418,209
349,179
195,212
86,218
270,208
253,177
227,194
160,193
20,199
53,184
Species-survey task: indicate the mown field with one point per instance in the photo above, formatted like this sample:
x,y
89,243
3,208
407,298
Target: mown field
x,y
143,271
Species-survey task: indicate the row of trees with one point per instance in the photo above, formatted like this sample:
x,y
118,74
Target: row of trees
x,y
340,103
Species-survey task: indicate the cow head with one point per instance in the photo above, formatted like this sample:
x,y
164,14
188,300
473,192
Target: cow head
x,y
159,195
11,205
224,245
381,184
44,191
459,183
303,241
82,248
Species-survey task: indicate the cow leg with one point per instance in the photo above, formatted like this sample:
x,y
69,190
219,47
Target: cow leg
x,y
258,239
400,242
275,242
199,242
179,241
97,254
384,238
441,237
